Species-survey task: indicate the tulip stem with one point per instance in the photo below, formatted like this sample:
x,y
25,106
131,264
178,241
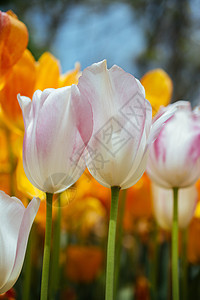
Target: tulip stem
x,y
122,204
47,248
55,274
111,243
175,277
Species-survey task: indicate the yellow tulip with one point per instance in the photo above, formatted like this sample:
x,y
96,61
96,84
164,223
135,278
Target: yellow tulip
x,y
158,88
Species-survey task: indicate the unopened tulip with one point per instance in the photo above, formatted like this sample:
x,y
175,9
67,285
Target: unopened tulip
x,y
163,206
15,225
174,158
123,129
57,131
174,162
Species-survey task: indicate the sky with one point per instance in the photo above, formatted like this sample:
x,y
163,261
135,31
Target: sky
x,y
88,36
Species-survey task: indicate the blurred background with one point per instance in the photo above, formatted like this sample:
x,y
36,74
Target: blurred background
x,y
137,35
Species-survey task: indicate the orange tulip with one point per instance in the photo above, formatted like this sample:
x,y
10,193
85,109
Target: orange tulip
x,y
142,289
138,202
4,165
24,185
48,72
13,41
84,263
85,216
26,76
21,79
5,182
87,186
70,77
158,88
194,242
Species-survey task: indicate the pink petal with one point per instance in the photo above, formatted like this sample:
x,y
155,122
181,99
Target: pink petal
x,y
82,114
161,119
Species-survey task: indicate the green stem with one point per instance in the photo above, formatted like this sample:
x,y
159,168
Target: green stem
x,y
175,278
27,269
111,243
184,265
47,248
54,279
122,203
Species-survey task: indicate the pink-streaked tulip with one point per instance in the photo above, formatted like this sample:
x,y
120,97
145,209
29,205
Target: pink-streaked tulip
x,y
123,128
57,131
15,225
163,206
174,157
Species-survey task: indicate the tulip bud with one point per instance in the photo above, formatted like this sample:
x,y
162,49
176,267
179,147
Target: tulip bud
x,y
123,128
174,158
57,131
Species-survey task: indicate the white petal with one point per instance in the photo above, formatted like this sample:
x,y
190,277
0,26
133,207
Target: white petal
x,y
11,215
21,239
159,122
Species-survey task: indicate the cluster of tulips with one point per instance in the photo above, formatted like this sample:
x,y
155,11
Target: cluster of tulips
x,y
101,120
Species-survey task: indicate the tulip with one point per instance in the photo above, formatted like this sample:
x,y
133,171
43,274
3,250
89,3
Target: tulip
x,y
13,40
57,131
158,88
22,79
123,128
26,76
174,158
84,263
174,162
122,133
16,222
55,138
163,206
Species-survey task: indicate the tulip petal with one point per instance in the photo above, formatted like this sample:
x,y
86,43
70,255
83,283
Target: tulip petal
x,y
21,80
25,104
21,222
13,40
83,114
70,77
160,121
138,166
11,214
48,72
